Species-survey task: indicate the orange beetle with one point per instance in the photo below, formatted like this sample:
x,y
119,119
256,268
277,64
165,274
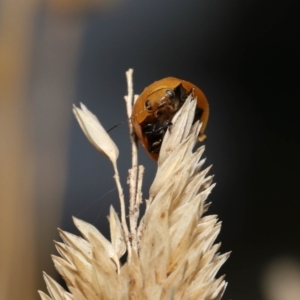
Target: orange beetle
x,y
156,106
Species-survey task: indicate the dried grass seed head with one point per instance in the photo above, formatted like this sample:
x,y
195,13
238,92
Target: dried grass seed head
x,y
95,133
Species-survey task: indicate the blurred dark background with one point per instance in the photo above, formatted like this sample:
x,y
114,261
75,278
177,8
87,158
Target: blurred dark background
x,y
244,55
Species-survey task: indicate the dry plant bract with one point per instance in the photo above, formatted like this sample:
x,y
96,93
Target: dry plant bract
x,y
171,250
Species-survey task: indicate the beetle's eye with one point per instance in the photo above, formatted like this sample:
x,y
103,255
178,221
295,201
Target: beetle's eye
x,y
170,93
147,105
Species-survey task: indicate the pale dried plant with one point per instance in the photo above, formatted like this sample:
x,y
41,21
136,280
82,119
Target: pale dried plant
x,y
170,252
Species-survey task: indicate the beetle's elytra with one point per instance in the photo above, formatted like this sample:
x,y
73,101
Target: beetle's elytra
x,y
156,106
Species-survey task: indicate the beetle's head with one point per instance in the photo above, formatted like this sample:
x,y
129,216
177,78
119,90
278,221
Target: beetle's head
x,y
165,101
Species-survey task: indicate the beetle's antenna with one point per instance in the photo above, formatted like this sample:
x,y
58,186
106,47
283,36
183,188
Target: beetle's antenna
x,y
123,122
117,125
110,129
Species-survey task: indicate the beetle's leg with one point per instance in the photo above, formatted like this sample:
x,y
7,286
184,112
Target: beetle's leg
x,y
156,139
156,129
161,130
149,129
155,146
155,133
201,137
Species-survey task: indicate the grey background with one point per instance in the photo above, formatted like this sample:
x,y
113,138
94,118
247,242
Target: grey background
x,y
244,55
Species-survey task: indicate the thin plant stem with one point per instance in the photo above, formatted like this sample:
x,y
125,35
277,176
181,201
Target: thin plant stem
x,y
139,197
122,205
133,173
